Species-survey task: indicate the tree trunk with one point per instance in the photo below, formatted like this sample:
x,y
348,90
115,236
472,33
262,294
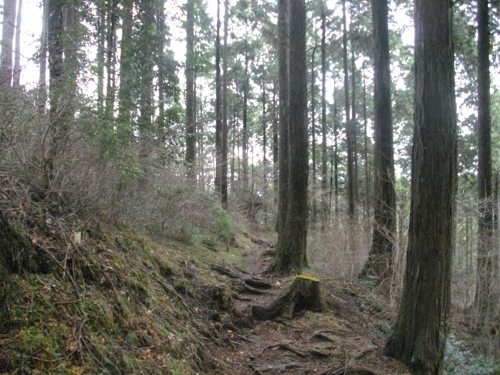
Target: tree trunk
x,y
42,79
349,125
218,110
8,28
379,264
421,326
324,155
487,257
126,59
313,133
283,153
244,135
55,49
111,57
17,56
190,97
291,251
224,194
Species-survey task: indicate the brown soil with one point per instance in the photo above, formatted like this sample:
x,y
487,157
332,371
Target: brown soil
x,y
346,338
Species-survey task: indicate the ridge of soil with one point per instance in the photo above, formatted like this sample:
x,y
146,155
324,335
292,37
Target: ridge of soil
x,y
346,338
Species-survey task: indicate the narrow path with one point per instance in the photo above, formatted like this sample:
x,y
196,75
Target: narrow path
x,y
333,342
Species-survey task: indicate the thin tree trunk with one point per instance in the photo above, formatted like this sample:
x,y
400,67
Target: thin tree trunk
x,y
8,28
17,58
380,261
349,125
313,133
111,57
324,155
42,79
246,88
224,196
487,258
218,110
190,97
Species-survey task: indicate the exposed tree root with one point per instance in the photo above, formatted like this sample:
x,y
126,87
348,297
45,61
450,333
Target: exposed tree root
x,y
252,284
302,294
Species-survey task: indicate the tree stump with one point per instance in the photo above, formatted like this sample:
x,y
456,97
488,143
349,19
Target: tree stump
x,y
302,294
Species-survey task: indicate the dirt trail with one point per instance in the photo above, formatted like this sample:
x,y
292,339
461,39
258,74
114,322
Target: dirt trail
x,y
343,339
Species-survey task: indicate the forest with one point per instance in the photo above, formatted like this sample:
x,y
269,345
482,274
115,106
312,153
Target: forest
x,y
176,173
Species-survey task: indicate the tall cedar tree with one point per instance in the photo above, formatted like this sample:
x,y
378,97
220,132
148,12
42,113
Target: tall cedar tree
x,y
379,263
324,153
291,251
487,260
349,126
190,94
8,27
17,59
421,327
283,154
224,166
218,110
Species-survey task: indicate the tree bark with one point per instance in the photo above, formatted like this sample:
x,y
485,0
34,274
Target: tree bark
x,y
379,264
421,327
225,78
126,59
324,152
190,97
349,125
8,28
283,153
486,299
17,55
291,251
218,109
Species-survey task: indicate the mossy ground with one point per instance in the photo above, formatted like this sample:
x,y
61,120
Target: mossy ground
x,y
116,303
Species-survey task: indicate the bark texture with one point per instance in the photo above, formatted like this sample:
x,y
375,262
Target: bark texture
x,y
421,327
292,242
379,264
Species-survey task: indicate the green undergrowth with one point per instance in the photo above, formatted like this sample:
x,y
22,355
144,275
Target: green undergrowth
x,y
114,303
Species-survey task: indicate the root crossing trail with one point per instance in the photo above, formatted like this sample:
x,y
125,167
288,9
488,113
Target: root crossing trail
x,y
344,338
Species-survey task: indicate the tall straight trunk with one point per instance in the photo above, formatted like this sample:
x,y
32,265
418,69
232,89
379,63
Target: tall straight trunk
x,y
244,163
57,128
324,152
111,57
162,77
420,331
126,57
224,194
17,55
101,60
190,96
291,253
365,151
354,138
218,110
349,125
275,145
379,264
487,256
313,133
335,153
283,153
42,78
8,28
264,148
